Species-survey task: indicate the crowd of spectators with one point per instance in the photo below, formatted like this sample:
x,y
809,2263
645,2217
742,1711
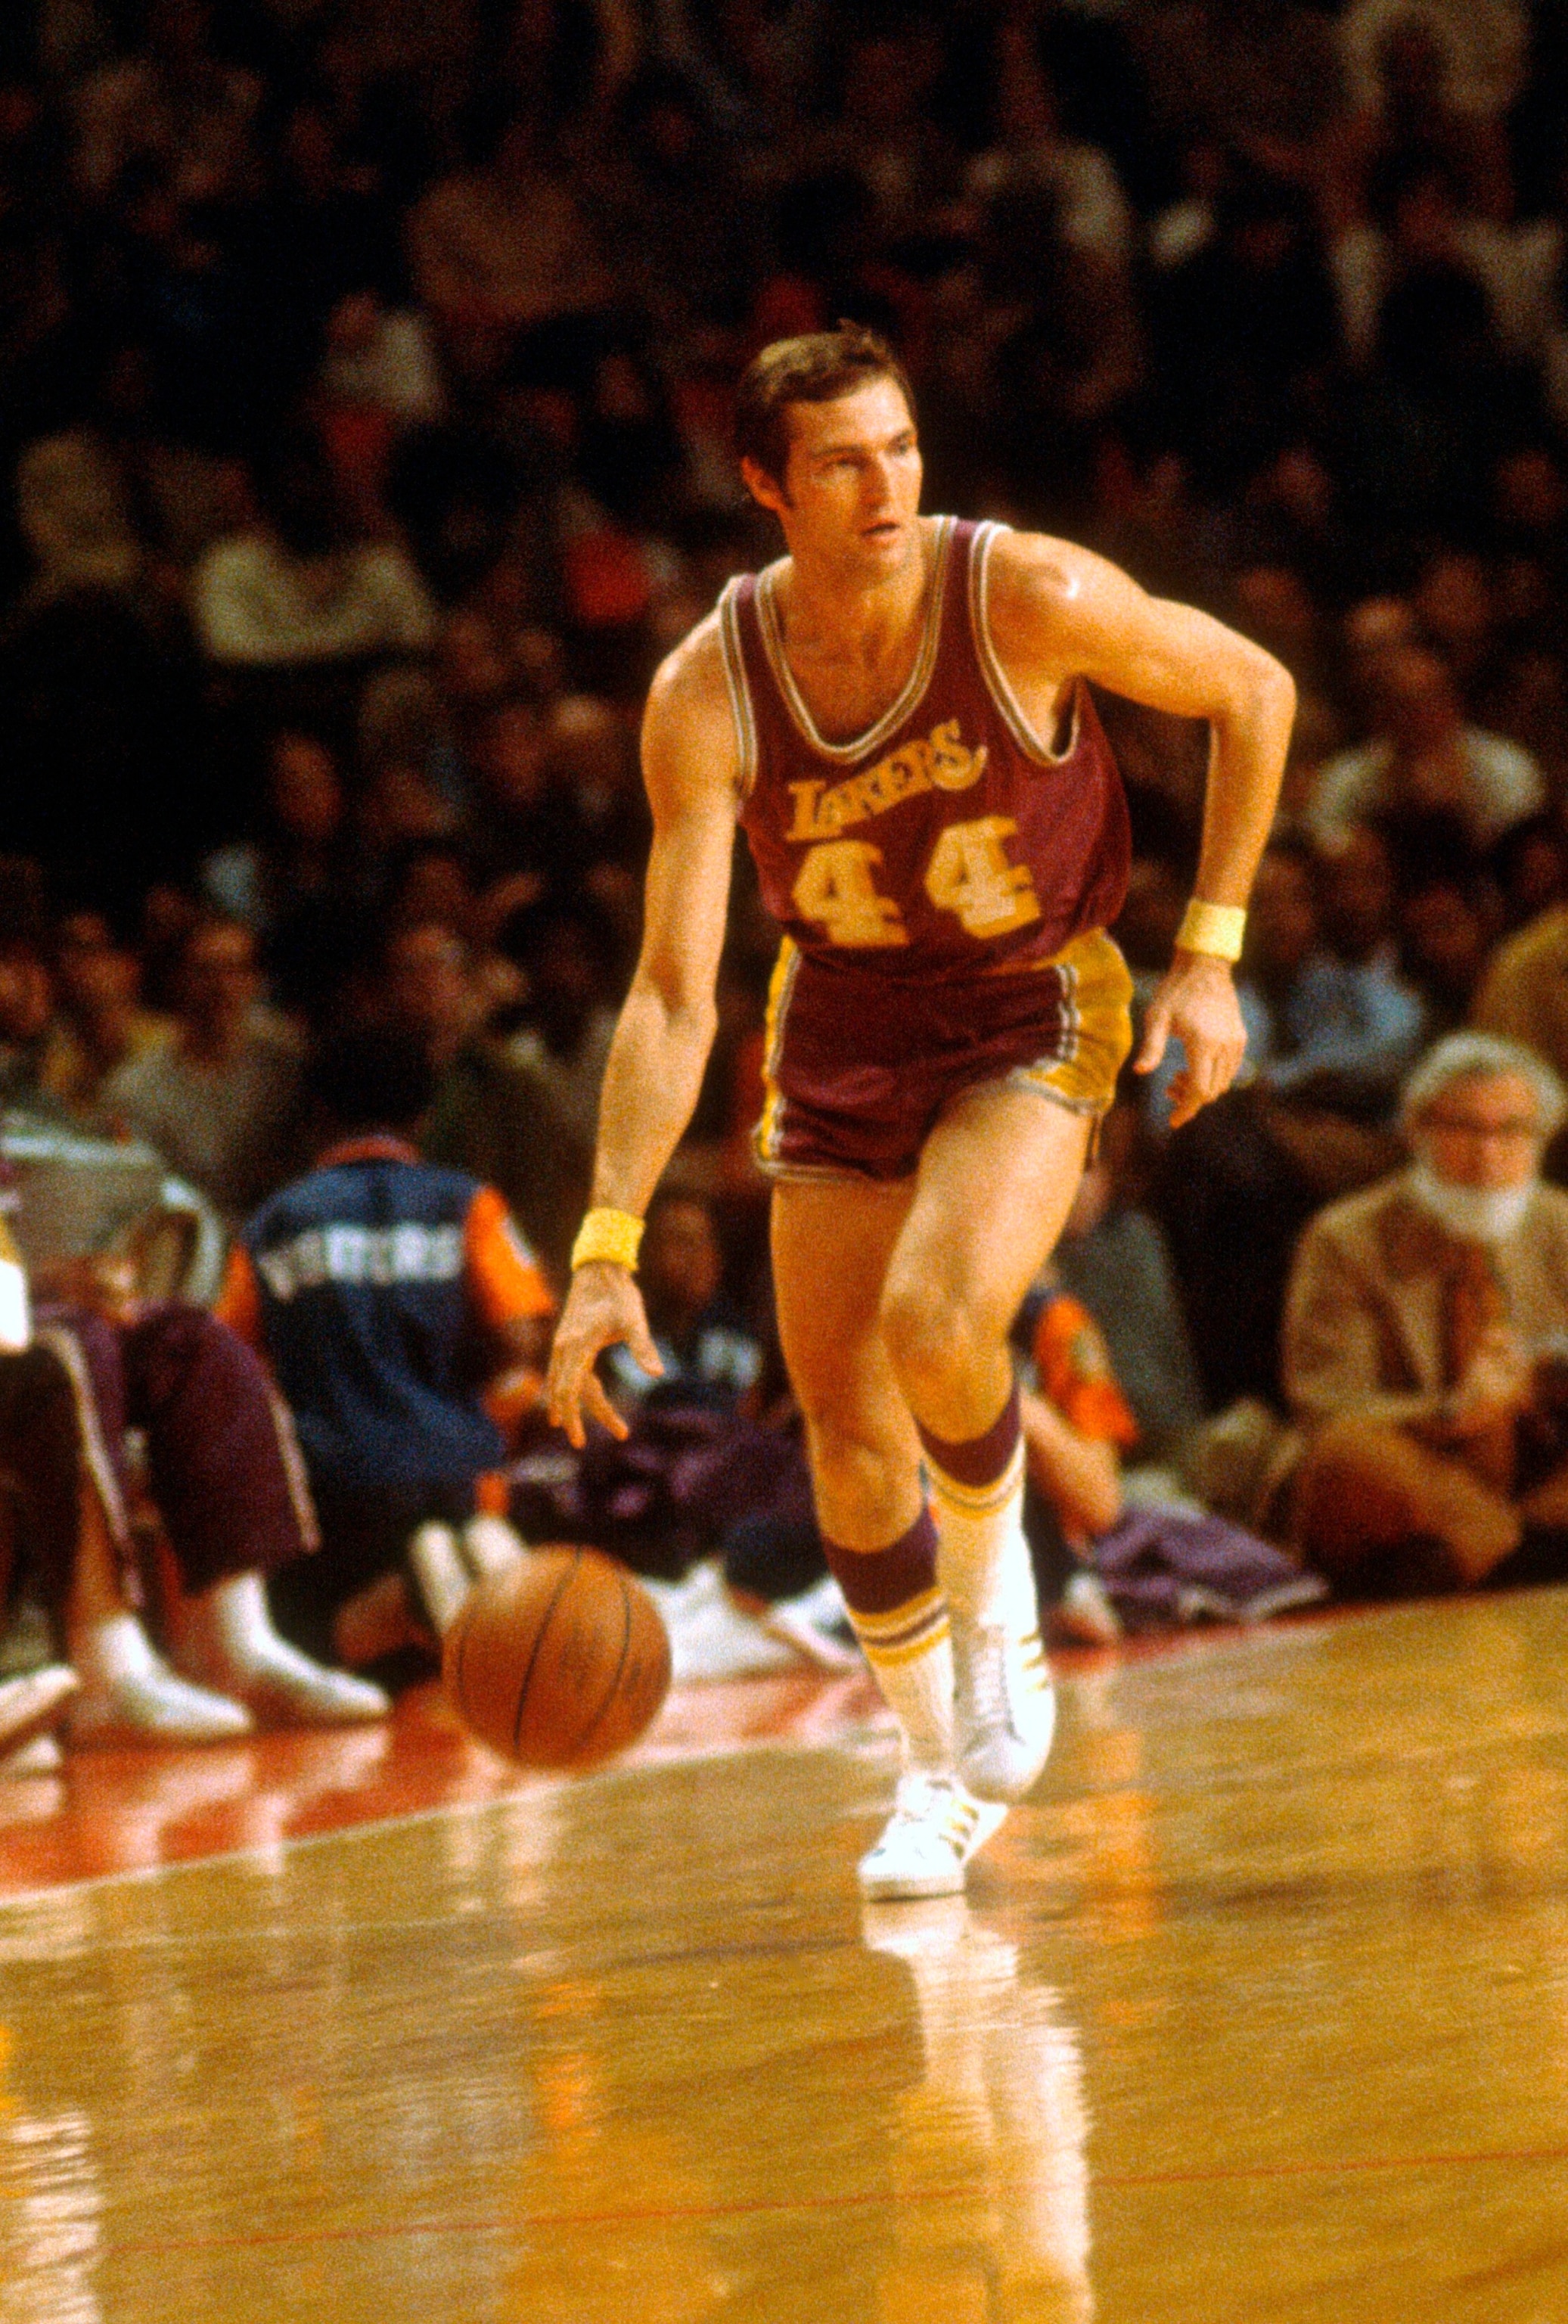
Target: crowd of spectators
x,y
364,443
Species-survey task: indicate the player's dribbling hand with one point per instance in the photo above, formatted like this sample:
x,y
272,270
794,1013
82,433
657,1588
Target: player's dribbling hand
x,y
1195,1004
603,1309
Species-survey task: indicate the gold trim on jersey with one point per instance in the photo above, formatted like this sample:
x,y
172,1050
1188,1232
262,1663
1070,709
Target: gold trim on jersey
x,y
738,688
999,686
769,1131
919,678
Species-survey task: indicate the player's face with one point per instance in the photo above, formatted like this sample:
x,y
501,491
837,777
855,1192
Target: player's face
x,y
851,482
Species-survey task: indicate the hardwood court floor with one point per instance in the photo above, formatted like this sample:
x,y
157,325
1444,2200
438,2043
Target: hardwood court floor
x,y
1258,2012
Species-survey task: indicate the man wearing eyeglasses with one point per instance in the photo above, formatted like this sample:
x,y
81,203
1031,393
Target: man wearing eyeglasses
x,y
1425,1343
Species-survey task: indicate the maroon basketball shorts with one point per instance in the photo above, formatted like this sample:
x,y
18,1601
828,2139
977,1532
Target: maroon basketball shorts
x,y
860,1067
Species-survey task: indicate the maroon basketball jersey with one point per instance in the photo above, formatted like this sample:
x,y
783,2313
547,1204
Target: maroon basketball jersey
x,y
948,836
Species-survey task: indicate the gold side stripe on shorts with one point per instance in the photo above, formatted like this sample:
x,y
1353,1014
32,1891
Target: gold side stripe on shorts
x,y
780,989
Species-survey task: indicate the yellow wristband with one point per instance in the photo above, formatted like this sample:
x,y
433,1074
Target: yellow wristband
x,y
614,1236
1214,928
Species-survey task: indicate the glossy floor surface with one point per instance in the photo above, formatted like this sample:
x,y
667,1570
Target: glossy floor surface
x,y
1258,2011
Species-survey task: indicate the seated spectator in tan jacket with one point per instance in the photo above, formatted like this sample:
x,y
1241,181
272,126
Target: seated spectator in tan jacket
x,y
1524,994
1425,1343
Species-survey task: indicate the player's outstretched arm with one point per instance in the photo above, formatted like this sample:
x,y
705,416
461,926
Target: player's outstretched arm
x,y
1057,612
690,767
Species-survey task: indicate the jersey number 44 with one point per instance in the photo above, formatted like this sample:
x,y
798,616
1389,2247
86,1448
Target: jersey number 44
x,y
970,874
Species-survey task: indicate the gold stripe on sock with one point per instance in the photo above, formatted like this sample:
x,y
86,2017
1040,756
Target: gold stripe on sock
x,y
891,1658
979,1500
897,1618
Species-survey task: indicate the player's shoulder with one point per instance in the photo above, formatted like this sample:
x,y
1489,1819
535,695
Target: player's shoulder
x,y
689,718
693,671
1036,580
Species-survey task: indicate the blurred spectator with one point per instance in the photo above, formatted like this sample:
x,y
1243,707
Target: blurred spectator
x,y
26,990
428,991
1447,922
1113,1259
1424,1343
522,1110
262,883
302,590
565,952
100,1023
176,103
295,884
1327,1039
71,510
224,1473
1243,327
384,1292
1033,150
1076,1425
1524,993
703,1341
528,831
689,234
1422,754
505,245
1430,82
220,1101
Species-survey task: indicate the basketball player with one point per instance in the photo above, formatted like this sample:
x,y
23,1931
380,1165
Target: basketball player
x,y
897,713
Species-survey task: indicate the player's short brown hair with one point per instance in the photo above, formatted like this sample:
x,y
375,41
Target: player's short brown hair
x,y
816,368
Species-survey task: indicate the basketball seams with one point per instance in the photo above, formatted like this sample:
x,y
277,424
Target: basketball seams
x,y
614,1689
523,1658
560,1590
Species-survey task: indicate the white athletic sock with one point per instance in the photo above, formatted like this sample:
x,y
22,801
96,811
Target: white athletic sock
x,y
231,1641
911,1655
982,1556
899,1615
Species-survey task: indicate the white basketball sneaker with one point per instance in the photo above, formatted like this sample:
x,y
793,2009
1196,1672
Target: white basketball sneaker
x,y
1004,1706
935,1829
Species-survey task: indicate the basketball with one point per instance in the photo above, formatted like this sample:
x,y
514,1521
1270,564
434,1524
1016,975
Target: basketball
x,y
559,1664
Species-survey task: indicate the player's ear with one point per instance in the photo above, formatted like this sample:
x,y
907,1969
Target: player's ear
x,y
764,488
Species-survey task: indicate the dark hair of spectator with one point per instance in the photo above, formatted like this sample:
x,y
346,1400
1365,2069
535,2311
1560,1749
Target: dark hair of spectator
x,y
373,1078
299,496
818,368
23,912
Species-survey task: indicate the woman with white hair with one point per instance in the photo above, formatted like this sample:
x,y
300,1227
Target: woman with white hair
x,y
1426,1344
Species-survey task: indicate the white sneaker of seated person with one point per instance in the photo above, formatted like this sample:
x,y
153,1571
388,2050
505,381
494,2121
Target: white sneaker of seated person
x,y
227,1640
448,1561
30,1706
1084,1615
130,1694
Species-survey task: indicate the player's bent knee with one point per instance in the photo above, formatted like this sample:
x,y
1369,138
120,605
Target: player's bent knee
x,y
931,1337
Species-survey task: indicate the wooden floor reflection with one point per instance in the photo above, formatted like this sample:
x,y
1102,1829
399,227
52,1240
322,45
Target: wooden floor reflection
x,y
1259,2011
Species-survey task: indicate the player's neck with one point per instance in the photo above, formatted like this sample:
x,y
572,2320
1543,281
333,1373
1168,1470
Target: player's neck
x,y
830,613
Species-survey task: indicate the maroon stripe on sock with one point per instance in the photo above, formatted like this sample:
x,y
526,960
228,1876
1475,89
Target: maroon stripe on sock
x,y
980,1460
879,1580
